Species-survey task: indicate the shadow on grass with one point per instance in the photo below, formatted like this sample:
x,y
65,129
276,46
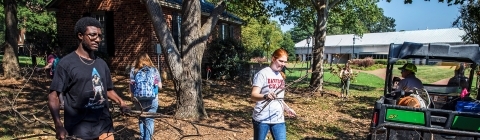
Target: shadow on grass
x,y
332,130
352,86
240,118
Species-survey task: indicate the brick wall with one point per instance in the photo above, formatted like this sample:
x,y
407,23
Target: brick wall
x,y
133,29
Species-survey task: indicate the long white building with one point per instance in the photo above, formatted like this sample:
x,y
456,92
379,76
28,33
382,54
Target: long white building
x,y
341,48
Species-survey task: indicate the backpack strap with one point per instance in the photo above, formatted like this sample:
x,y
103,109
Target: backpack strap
x,y
141,69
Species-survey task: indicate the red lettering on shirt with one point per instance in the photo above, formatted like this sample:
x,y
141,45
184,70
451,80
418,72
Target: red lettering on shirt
x,y
276,83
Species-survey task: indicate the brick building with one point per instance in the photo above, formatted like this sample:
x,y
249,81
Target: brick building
x,y
127,27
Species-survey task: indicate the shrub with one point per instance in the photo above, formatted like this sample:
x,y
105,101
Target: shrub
x,y
381,61
384,62
366,62
226,58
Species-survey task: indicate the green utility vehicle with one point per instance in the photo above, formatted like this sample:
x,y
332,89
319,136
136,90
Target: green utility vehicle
x,y
438,111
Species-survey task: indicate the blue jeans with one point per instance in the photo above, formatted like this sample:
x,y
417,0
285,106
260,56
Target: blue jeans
x,y
345,86
147,125
260,130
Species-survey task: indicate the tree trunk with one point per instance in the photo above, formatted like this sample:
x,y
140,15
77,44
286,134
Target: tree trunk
x,y
189,98
319,38
10,64
185,63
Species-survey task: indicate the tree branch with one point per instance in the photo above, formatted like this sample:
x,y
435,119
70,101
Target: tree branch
x,y
134,113
160,26
212,20
335,2
316,5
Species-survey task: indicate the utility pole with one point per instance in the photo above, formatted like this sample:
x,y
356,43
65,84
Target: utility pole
x,y
308,51
353,47
268,47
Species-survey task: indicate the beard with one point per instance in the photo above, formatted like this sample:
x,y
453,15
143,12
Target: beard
x,y
89,50
87,47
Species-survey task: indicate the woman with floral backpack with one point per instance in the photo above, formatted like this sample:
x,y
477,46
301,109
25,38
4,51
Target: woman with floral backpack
x,y
145,82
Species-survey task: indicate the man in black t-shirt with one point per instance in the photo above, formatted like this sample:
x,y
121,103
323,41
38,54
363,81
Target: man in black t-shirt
x,y
85,80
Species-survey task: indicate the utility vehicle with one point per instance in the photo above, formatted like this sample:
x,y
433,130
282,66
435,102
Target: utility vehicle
x,y
435,112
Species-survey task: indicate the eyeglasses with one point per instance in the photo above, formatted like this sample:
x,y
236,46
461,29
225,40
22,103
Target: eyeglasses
x,y
94,36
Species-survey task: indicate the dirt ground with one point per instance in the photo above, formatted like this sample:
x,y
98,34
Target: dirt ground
x,y
227,104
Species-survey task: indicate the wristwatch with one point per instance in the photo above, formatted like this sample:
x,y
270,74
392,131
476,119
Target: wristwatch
x,y
265,96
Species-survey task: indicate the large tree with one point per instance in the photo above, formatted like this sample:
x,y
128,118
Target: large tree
x,y
185,62
299,34
2,25
469,21
303,13
37,22
10,57
386,24
265,36
337,25
31,16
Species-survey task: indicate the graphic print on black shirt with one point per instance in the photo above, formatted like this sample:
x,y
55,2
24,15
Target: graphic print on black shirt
x,y
97,101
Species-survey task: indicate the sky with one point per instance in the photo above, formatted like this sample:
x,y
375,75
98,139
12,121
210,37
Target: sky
x,y
419,15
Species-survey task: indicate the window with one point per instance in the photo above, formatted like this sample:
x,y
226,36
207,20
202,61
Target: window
x,y
100,16
176,26
231,31
374,56
225,31
106,19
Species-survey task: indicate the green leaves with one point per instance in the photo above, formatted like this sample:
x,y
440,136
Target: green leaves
x,y
288,45
299,34
257,35
346,17
469,21
449,2
37,21
33,16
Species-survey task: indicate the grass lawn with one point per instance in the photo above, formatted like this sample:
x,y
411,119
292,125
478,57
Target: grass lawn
x,y
429,74
27,61
364,90
363,82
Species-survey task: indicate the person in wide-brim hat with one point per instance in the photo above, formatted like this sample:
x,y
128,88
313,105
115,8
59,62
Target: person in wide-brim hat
x,y
409,81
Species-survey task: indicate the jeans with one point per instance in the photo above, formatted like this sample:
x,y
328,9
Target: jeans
x,y
260,130
147,125
345,86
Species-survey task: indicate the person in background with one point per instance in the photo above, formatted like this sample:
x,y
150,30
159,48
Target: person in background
x,y
268,92
52,61
395,82
345,75
331,61
51,58
409,81
460,70
146,125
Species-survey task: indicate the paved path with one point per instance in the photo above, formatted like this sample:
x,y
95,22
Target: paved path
x,y
378,72
442,82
